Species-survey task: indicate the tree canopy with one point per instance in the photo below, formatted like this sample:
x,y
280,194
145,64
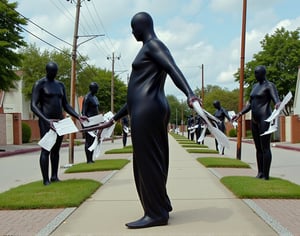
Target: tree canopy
x,y
10,40
34,68
280,54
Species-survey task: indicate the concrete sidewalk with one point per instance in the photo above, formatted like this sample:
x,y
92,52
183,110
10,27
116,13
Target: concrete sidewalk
x,y
202,205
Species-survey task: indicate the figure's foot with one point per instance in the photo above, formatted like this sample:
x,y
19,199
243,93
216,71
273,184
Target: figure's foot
x,y
46,182
266,177
54,179
147,221
90,162
260,175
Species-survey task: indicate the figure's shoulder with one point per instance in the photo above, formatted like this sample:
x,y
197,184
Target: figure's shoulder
x,y
40,82
59,83
87,96
270,84
155,44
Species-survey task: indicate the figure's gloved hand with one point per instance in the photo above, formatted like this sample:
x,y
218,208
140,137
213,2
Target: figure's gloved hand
x,y
236,117
192,99
83,118
104,125
51,121
277,105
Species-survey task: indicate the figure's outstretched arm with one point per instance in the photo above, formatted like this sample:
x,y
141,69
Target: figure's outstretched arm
x,y
242,112
121,113
162,56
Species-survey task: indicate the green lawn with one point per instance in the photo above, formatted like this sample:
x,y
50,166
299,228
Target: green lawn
x,y
194,145
201,150
211,162
99,165
127,149
67,193
251,187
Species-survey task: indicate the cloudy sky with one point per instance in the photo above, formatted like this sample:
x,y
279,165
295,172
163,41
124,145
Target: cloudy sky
x,y
196,32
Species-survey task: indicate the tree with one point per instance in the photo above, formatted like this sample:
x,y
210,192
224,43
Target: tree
x,y
34,64
10,40
280,54
103,79
228,99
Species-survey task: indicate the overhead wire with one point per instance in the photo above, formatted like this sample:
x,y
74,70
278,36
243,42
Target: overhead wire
x,y
70,17
120,61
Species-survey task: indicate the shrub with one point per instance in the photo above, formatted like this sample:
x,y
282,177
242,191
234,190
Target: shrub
x,y
118,129
26,133
249,134
232,133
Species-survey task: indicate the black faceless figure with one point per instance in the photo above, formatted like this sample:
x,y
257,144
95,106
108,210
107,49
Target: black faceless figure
x,y
263,93
221,114
90,107
48,102
149,114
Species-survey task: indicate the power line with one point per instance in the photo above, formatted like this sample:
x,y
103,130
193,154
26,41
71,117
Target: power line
x,y
41,28
42,40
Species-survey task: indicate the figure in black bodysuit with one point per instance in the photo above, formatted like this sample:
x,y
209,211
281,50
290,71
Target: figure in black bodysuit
x,y
199,122
48,102
90,107
221,114
125,129
149,116
263,92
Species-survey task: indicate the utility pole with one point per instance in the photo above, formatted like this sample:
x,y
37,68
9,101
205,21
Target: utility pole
x,y
73,73
202,77
182,126
112,58
241,96
73,78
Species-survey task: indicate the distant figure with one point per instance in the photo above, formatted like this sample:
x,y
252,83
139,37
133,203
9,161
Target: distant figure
x,y
125,129
90,107
263,92
192,128
221,114
199,122
189,125
149,117
48,102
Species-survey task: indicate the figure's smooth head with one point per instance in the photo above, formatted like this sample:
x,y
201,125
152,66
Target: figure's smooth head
x,y
93,87
141,24
51,69
260,73
217,104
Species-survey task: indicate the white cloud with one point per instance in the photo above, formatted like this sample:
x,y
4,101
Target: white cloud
x,y
196,32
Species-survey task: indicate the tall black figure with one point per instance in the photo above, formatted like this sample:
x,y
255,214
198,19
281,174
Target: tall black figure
x,y
263,92
90,107
48,102
149,115
221,114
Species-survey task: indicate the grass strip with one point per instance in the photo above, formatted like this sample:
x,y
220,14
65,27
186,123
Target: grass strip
x,y
177,136
127,149
216,162
252,188
201,150
67,193
99,165
195,145
186,141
